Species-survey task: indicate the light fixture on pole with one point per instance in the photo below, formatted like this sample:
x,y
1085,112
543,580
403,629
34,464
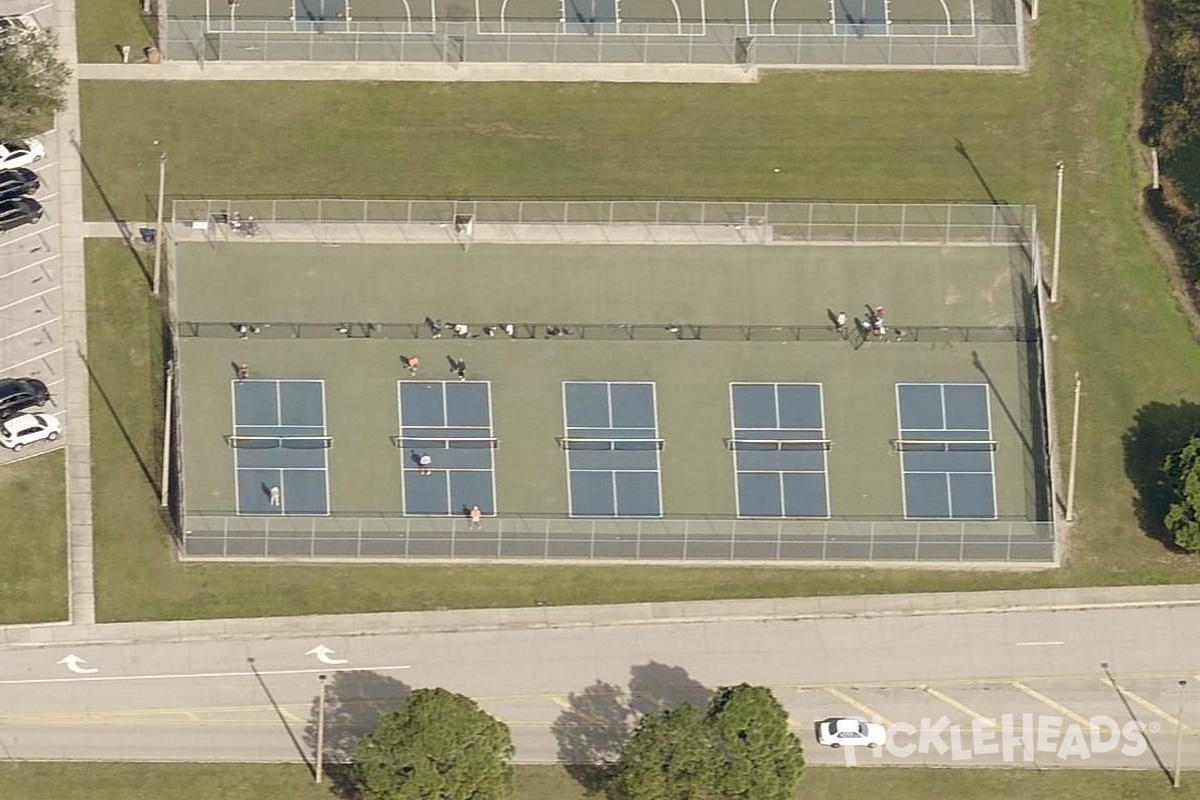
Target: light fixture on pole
x,y
1060,168
320,772
1179,738
158,227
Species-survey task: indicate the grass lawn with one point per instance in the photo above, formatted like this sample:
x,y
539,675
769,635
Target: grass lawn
x,y
33,540
102,25
845,136
61,781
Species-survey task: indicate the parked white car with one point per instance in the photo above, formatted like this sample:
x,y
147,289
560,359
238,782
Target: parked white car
x,y
851,732
26,429
21,154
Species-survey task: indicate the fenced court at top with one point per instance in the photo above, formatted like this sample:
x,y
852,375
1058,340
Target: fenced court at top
x,y
580,440
742,33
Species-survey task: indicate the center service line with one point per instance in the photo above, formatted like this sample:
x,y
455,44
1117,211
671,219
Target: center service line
x,y
241,674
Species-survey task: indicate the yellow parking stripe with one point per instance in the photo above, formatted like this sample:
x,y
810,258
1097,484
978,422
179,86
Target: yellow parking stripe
x,y
1146,704
1059,707
950,701
863,709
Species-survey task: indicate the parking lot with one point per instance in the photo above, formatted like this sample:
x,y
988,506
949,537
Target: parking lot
x,y
1099,720
1092,721
31,327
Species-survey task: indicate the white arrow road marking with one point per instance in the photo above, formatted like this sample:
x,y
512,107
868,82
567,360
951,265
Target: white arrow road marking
x,y
323,654
72,663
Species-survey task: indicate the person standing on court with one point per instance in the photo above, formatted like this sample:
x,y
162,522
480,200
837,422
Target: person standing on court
x,y
459,368
877,325
411,363
243,371
425,462
476,515
274,495
839,323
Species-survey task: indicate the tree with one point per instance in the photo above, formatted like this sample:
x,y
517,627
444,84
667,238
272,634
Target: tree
x,y
763,760
1182,470
671,756
437,746
32,82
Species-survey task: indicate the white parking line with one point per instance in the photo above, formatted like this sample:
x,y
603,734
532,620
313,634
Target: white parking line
x,y
27,298
31,328
43,356
46,260
30,235
862,708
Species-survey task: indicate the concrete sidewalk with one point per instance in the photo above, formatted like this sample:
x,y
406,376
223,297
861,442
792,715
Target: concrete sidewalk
x,y
82,597
632,615
390,71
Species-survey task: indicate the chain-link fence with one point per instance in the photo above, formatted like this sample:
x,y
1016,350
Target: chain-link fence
x,y
499,220
666,540
974,45
897,332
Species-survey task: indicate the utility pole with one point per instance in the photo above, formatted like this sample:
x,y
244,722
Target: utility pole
x,y
1179,738
1060,168
158,227
321,730
1074,452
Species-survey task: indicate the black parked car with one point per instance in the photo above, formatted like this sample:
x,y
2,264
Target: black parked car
x,y
18,394
18,183
19,211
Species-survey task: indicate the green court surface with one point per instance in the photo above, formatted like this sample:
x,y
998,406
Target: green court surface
x,y
691,319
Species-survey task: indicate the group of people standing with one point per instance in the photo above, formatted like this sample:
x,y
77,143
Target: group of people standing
x,y
870,326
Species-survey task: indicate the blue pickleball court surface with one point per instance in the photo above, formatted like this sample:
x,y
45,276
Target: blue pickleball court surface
x,y
779,449
451,422
612,449
280,442
590,16
947,458
861,17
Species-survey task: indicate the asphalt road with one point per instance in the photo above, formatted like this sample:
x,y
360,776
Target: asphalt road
x,y
569,694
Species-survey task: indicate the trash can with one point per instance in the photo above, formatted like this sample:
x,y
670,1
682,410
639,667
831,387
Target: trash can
x,y
147,235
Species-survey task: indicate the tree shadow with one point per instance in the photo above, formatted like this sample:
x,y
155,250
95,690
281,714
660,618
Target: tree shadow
x,y
591,732
594,727
355,700
1158,430
656,687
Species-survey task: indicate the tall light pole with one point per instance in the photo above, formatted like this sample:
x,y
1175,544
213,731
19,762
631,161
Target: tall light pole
x,y
1074,452
321,730
1179,738
1060,168
158,227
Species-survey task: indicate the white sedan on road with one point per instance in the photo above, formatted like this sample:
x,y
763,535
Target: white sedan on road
x,y
21,154
851,732
27,429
